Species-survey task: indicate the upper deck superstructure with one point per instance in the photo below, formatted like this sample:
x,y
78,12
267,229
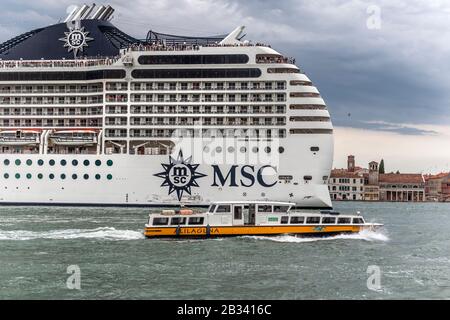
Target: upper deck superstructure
x,y
112,115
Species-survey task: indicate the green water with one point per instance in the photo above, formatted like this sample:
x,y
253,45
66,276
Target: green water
x,y
37,244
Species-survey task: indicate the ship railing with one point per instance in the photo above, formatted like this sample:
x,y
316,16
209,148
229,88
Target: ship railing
x,y
165,46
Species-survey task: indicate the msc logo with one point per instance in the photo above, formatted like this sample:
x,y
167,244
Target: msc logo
x,y
76,39
180,175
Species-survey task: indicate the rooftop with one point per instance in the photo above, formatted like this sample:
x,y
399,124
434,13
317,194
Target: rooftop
x,y
415,178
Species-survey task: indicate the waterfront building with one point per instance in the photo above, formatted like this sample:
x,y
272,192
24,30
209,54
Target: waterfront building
x,y
347,184
437,187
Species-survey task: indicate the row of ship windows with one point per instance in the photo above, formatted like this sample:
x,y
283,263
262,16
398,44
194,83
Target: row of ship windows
x,y
63,176
52,162
147,86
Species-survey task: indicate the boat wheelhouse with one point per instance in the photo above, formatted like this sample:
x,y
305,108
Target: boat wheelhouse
x,y
250,218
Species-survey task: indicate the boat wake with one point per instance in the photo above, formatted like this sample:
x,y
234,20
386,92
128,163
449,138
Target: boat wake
x,y
105,233
365,235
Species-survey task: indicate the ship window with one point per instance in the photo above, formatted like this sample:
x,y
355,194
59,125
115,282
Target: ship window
x,y
28,175
109,163
40,176
160,221
219,149
358,221
51,162
212,208
98,163
243,149
312,220
267,149
6,176
86,162
315,149
74,177
29,162
86,176
223,209
264,208
307,178
297,220
74,162
328,220
6,162
196,73
63,162
109,176
344,220
280,149
63,176
196,220
284,220
194,59
255,149
178,220
51,176
18,162
97,176
280,208
17,175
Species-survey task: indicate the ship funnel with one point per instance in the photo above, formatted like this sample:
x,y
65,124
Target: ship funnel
x,y
88,12
105,13
80,12
98,12
233,37
72,14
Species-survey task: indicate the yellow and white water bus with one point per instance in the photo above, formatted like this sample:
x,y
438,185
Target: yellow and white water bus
x,y
260,218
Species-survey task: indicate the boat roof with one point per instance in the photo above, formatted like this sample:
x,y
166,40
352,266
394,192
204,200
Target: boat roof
x,y
256,202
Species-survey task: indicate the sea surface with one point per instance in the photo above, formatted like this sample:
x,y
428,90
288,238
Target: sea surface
x,y
45,252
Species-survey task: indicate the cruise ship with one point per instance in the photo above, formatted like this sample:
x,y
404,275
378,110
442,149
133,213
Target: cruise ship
x,y
90,115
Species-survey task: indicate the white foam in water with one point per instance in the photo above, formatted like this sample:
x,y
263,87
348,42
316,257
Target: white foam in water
x,y
97,233
365,235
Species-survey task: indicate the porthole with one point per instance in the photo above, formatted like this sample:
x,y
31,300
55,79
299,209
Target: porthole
x,y
40,162
51,176
28,175
6,176
98,163
63,162
230,149
206,149
97,176
40,176
280,150
218,149
74,162
109,163
17,175
6,162
109,176
86,162
29,162
86,176
255,149
51,162
243,149
267,149
63,176
18,162
74,177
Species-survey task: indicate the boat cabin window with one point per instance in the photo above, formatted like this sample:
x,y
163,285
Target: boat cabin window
x,y
211,208
223,209
160,221
312,220
358,221
196,220
344,221
284,219
264,208
328,220
280,208
297,220
178,220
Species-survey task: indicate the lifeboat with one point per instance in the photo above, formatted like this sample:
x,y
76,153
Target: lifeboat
x,y
19,137
223,219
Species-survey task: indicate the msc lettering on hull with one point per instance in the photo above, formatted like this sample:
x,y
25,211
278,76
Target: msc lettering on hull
x,y
247,174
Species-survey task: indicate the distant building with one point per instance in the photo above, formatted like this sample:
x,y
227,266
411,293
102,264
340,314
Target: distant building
x,y
347,184
437,187
355,183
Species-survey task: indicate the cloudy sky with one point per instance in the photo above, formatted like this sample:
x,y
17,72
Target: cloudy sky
x,y
382,66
